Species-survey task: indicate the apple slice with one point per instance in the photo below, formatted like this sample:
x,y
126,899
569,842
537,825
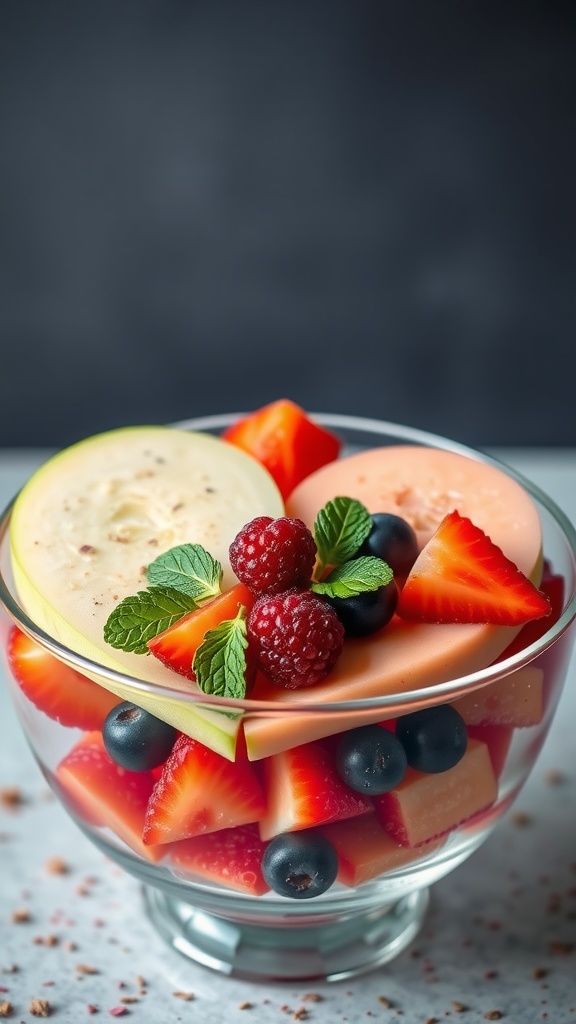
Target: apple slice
x,y
90,519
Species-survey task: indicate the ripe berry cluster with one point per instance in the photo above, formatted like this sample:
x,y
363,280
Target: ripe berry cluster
x,y
295,636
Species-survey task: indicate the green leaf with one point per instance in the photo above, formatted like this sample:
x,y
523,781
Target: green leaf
x,y
340,528
355,577
220,661
188,568
140,618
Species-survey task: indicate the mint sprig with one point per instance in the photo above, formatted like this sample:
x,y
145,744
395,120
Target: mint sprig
x,y
340,528
355,577
220,662
138,619
188,568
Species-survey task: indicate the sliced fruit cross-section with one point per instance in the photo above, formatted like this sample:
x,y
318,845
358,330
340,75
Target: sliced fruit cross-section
x,y
201,791
56,689
101,793
303,789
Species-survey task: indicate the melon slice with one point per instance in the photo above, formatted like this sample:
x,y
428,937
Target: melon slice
x,y
515,700
423,807
422,485
365,850
91,518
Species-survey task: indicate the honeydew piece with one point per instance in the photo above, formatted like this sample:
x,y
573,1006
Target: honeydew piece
x,y
90,519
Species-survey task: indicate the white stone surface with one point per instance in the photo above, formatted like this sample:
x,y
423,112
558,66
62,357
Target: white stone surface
x,y
500,934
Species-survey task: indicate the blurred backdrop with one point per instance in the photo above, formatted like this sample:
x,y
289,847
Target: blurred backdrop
x,y
367,206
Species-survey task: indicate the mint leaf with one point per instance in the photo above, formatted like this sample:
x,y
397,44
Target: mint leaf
x,y
340,528
220,662
188,568
139,618
355,577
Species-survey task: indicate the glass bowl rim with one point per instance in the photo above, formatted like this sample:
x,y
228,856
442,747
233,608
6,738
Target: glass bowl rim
x,y
422,695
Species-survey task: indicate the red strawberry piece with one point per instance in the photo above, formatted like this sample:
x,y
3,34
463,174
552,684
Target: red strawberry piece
x,y
176,646
56,689
101,793
201,791
286,441
461,576
296,637
231,856
552,586
271,555
303,789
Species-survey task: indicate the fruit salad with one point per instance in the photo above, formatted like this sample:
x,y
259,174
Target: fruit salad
x,y
283,607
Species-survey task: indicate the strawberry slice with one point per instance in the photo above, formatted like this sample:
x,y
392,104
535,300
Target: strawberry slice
x,y
103,794
286,441
231,857
176,646
200,791
303,789
462,576
54,688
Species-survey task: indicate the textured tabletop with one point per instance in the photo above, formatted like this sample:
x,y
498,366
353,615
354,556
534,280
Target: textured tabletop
x,y
499,941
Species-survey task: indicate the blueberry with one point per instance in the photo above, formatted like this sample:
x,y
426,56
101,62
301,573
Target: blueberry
x,y
367,612
392,539
135,739
370,759
434,739
300,864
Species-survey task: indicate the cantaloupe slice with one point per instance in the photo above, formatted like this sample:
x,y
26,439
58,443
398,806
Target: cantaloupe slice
x,y
90,519
422,485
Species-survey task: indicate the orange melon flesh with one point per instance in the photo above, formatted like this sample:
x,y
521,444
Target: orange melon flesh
x,y
422,485
365,850
516,700
424,807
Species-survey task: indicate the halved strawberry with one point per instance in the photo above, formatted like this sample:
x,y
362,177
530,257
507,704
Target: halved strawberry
x,y
303,789
462,576
286,441
553,587
231,857
56,689
201,791
101,793
177,645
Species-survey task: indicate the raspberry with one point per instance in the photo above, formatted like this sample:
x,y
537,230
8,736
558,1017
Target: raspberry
x,y
296,637
272,555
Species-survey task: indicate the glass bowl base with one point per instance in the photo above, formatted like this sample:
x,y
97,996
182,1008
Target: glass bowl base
x,y
341,949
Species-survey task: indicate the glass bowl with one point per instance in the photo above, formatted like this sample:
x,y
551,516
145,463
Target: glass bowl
x,y
206,896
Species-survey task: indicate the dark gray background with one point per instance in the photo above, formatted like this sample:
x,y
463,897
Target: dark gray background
x,y
366,206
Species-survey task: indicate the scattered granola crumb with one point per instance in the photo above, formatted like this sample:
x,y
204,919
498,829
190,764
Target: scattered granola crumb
x,y
311,997
21,915
539,972
554,777
56,866
86,969
493,1015
431,1020
45,940
118,1011
245,1006
11,797
92,1008
40,1008
140,981
459,1007
186,996
70,946
300,1014
561,948
128,1000
521,819
384,1001
6,1008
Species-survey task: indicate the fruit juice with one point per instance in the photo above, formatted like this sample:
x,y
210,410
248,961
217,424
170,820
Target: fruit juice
x,y
210,597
